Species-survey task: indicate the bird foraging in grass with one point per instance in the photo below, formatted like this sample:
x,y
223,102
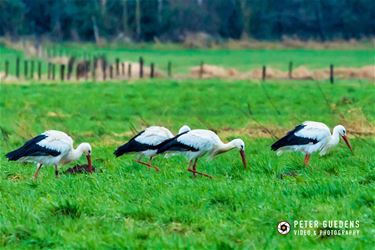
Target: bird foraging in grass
x,y
198,142
147,142
310,137
51,148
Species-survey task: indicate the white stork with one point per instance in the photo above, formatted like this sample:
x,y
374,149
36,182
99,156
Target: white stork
x,y
198,142
147,142
310,137
51,148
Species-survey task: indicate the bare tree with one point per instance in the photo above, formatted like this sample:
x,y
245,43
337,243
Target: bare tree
x,y
96,30
138,18
125,18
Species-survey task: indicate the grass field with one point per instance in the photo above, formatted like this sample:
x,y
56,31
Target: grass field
x,y
244,60
129,206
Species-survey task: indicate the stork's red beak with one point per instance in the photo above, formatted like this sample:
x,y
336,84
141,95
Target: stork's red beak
x,y
89,164
347,142
242,152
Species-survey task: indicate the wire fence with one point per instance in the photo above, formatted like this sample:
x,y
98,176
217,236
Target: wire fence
x,y
54,65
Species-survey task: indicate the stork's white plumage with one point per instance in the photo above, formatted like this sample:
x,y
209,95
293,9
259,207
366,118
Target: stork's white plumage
x,y
198,142
147,142
51,148
310,137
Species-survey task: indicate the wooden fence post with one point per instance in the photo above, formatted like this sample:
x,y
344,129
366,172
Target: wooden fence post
x,y
94,66
77,72
129,70
141,62
331,74
49,71
152,70
62,72
70,68
25,69
87,69
104,69
6,69
18,67
290,70
32,69
123,69
264,69
201,70
53,71
39,70
169,69
110,71
117,67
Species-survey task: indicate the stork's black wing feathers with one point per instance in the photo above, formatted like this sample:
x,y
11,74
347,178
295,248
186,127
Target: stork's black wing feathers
x,y
31,148
174,145
291,139
133,146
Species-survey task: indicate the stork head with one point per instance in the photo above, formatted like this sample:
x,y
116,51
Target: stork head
x,y
184,129
342,132
86,149
238,143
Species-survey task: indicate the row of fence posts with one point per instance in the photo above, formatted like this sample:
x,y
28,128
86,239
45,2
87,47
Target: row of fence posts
x,y
264,72
290,72
26,69
66,71
51,70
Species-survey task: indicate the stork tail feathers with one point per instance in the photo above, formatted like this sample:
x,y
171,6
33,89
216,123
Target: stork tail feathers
x,y
14,155
280,143
32,148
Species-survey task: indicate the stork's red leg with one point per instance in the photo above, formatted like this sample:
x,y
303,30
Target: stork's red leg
x,y
37,171
189,166
148,165
194,170
192,167
155,167
307,159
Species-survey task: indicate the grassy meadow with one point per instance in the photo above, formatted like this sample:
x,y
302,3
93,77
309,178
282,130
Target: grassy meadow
x,y
125,205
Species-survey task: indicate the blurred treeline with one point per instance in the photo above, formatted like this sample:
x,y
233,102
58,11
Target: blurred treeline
x,y
172,20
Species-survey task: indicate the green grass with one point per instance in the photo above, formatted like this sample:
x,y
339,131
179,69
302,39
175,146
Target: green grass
x,y
129,206
244,60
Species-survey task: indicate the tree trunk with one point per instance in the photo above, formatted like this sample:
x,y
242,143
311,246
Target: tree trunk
x,y
125,19
246,19
96,30
138,18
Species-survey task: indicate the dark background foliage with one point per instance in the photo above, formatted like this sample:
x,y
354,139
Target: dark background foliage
x,y
171,20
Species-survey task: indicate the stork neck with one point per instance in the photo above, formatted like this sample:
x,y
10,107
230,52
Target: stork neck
x,y
335,137
225,147
76,153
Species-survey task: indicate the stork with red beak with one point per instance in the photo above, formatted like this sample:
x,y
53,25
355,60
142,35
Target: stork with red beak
x,y
146,144
310,137
51,148
198,142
